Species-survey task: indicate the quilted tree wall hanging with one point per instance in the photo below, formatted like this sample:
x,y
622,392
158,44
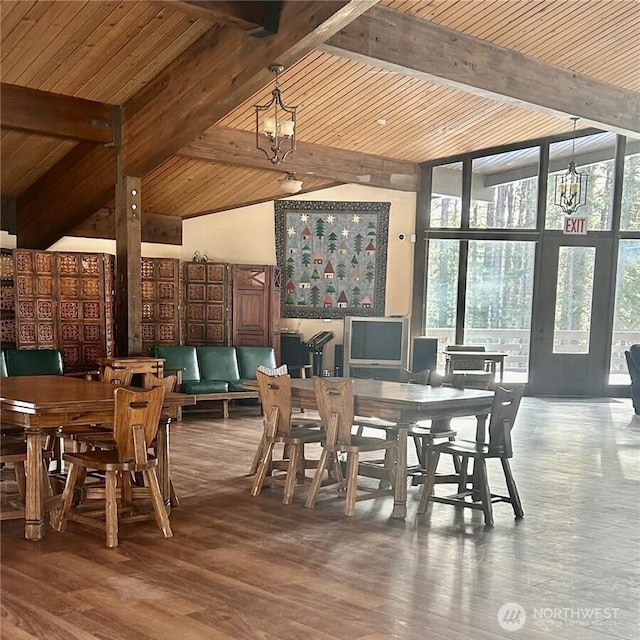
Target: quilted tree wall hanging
x,y
333,257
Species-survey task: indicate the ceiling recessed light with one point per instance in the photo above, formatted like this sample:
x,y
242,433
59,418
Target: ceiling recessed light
x,y
382,121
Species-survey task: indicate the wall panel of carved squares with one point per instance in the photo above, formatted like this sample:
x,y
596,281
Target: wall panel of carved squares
x,y
208,303
160,301
65,301
7,300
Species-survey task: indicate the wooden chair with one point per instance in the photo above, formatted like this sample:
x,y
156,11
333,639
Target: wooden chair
x,y
275,396
426,432
503,415
117,377
135,423
335,402
105,439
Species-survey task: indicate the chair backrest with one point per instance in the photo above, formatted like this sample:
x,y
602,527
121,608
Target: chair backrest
x,y
465,347
120,377
503,415
149,381
417,377
33,362
633,361
275,397
135,421
334,398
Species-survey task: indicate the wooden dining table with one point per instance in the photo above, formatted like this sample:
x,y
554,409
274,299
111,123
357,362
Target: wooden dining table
x,y
404,404
42,404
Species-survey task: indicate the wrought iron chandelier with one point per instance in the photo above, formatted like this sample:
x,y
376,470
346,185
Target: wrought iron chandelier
x,y
277,122
571,186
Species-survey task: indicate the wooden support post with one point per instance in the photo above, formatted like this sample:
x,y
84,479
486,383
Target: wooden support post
x,y
128,274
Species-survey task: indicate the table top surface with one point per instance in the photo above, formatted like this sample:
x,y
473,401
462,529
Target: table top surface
x,y
402,394
43,393
487,354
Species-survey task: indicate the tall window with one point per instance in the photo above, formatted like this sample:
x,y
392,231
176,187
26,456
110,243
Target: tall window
x,y
630,214
626,318
442,290
574,299
594,155
446,198
499,299
504,190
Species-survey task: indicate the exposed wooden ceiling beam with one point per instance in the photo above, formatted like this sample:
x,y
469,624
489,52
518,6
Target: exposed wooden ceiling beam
x,y
245,15
155,228
238,147
205,83
398,42
216,74
55,115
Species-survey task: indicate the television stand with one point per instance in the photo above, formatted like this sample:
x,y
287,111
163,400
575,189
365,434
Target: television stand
x,y
392,374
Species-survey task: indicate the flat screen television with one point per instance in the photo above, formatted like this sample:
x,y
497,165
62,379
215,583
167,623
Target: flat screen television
x,y
375,342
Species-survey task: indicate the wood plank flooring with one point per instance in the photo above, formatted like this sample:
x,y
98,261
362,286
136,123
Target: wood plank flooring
x,y
251,568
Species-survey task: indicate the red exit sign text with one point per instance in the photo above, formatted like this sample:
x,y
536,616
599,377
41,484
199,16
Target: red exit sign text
x,y
575,226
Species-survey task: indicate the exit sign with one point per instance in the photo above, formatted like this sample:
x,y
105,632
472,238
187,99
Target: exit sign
x,y
575,225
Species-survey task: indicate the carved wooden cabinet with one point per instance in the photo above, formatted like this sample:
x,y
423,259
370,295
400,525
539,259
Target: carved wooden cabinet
x,y
65,301
161,308
208,303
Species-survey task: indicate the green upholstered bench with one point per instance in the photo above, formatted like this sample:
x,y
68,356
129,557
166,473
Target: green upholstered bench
x,y
216,373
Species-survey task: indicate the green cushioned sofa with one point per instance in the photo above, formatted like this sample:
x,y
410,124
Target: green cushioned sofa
x,y
215,373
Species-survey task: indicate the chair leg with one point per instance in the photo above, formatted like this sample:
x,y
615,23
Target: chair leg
x,y
162,518
292,473
485,493
514,496
257,457
265,464
433,456
463,472
111,508
317,479
353,460
73,475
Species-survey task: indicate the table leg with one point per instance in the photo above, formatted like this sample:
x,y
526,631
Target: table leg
x,y
34,527
162,452
400,489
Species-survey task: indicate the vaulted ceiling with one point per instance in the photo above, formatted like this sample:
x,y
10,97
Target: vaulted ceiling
x,y
379,87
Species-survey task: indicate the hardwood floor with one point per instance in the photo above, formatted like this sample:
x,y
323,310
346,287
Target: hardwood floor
x,y
252,568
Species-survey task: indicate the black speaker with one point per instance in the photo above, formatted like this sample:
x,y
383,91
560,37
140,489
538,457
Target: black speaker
x,y
338,360
424,354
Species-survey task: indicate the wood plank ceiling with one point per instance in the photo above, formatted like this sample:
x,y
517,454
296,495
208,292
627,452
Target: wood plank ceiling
x,y
109,51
